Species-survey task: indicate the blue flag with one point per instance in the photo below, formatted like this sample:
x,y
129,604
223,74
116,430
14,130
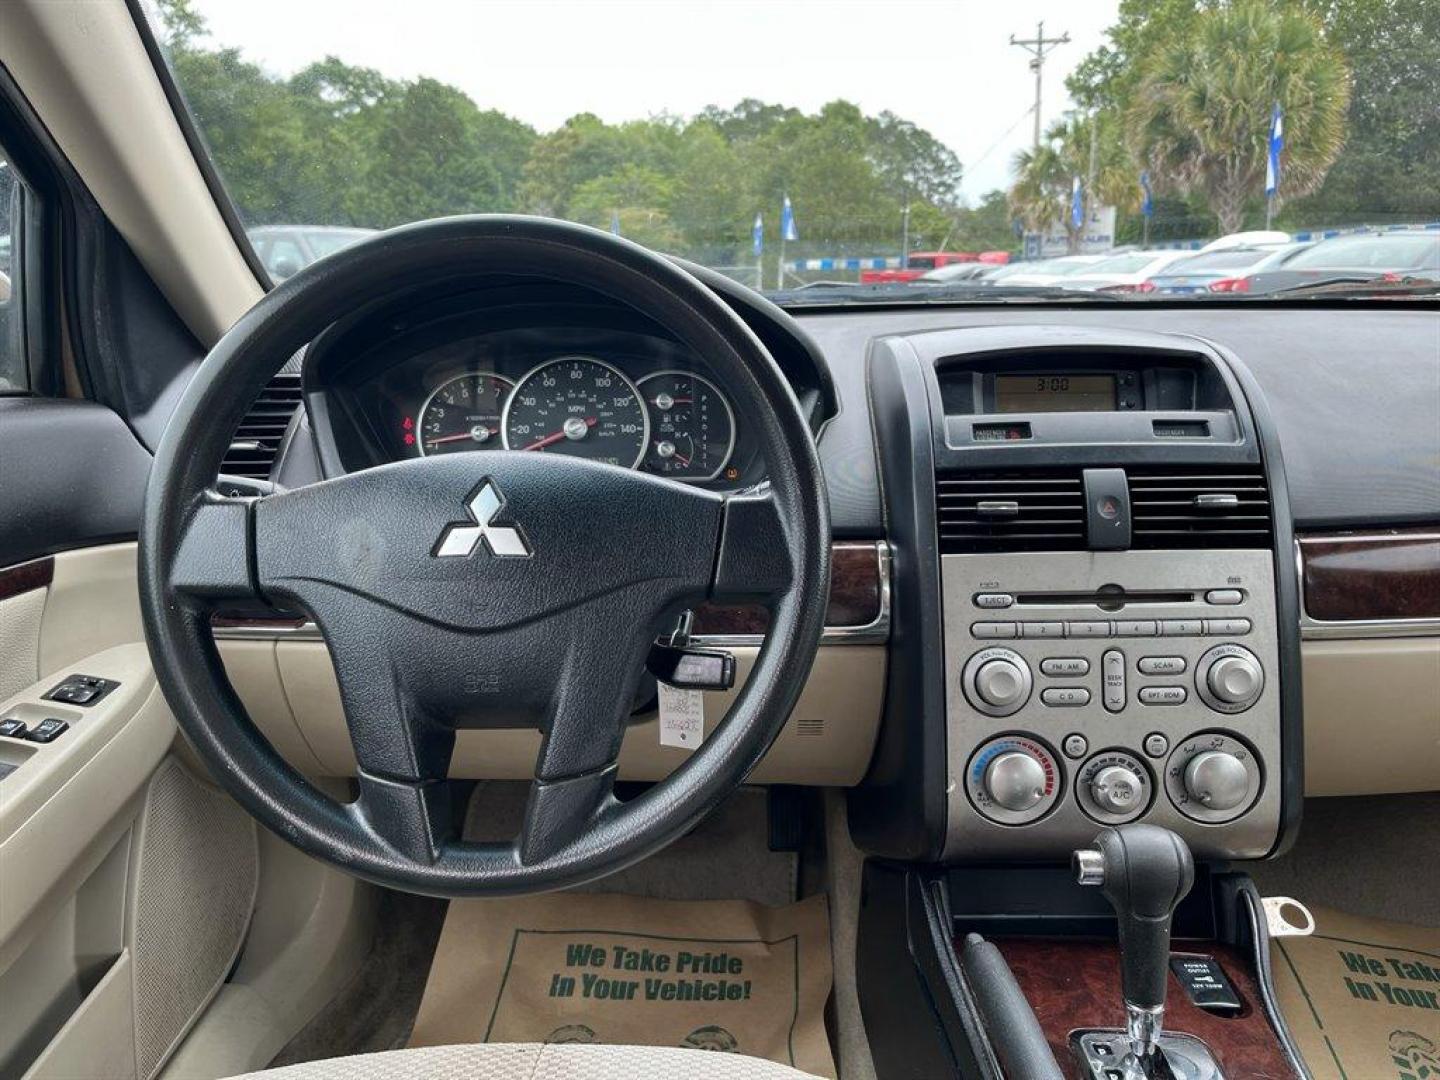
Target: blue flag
x,y
757,237
1147,197
1277,143
1077,203
788,231
615,222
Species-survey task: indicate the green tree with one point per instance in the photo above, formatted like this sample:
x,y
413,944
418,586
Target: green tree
x,y
1041,194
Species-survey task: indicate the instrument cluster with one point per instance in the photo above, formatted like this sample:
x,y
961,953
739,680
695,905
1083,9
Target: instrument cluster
x,y
614,396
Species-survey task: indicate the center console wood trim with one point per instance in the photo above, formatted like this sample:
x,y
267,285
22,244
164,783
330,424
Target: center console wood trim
x,y
1074,984
1390,574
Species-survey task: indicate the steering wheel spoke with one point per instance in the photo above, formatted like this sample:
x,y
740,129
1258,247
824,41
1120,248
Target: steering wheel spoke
x,y
215,554
753,560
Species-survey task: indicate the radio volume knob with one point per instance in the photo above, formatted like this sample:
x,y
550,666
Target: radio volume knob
x,y
1217,780
1015,780
1000,683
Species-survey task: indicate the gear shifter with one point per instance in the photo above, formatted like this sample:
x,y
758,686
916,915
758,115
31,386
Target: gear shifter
x,y
1144,871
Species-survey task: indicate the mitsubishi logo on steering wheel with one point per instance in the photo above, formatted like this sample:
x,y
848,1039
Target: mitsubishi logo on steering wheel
x,y
460,538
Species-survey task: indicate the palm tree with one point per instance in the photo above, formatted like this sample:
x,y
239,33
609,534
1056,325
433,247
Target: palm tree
x,y
1200,118
1041,195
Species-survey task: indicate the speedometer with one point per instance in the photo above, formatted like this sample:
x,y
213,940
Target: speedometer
x,y
579,406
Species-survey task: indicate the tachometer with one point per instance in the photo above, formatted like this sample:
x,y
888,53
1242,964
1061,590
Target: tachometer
x,y
692,427
463,414
579,406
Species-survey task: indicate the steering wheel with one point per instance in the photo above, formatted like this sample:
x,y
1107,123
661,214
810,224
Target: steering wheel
x,y
489,589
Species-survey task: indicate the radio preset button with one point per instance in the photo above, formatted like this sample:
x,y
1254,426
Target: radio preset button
x,y
1161,665
993,600
1162,695
1113,679
1182,627
1226,627
1224,597
1136,628
1042,630
1090,629
1062,667
1071,697
988,631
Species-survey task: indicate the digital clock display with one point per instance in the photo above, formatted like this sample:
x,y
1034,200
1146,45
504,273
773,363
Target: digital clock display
x,y
1054,393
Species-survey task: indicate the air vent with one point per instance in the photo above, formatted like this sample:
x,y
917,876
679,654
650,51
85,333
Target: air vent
x,y
1030,510
1199,507
257,440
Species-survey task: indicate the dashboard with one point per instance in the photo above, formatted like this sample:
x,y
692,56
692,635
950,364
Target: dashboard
x,y
541,369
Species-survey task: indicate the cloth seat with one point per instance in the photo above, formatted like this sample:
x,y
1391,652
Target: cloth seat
x,y
536,1061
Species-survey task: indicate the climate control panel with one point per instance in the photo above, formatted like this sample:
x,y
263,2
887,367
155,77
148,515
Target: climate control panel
x,y
1099,688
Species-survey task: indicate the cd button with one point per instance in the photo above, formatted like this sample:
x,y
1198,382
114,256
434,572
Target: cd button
x,y
1066,696
1061,667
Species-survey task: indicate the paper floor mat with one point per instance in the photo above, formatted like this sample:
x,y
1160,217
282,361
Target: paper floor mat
x,y
1362,997
714,974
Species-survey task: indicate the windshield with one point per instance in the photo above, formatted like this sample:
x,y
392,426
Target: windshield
x,y
845,142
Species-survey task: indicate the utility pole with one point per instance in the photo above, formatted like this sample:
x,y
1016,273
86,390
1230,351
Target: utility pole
x,y
1039,47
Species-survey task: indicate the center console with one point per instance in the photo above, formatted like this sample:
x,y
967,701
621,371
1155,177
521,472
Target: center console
x,y
1095,627
1095,610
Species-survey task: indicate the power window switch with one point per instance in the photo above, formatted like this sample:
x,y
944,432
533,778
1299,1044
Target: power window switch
x,y
48,730
12,728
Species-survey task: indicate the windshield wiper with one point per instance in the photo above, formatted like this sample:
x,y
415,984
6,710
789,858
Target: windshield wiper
x,y
1356,287
840,293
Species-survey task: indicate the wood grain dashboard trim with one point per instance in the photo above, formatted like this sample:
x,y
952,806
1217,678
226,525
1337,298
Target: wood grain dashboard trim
x,y
26,577
858,612
1377,576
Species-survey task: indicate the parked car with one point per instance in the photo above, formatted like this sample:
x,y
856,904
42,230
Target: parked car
x,y
1217,270
1399,255
1254,238
287,249
1044,271
974,273
1125,273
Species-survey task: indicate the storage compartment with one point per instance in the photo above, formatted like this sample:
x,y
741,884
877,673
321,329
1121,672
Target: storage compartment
x,y
72,950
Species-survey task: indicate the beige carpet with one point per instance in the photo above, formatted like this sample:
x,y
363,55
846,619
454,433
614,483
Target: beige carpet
x,y
1362,996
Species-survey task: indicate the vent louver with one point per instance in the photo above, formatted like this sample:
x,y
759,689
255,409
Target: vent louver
x,y
1199,507
257,440
1029,510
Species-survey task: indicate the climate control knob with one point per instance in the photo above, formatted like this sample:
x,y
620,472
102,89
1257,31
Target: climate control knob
x,y
1217,780
1116,789
1015,780
997,682
1229,678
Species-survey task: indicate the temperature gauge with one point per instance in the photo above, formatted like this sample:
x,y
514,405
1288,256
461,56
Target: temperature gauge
x,y
692,427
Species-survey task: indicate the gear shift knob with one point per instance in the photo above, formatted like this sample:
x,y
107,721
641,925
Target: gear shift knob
x,y
1144,871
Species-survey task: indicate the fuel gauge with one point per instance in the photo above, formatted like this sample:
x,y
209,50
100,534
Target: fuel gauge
x,y
692,427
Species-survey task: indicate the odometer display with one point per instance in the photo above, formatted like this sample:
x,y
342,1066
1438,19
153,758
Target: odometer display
x,y
579,406
462,414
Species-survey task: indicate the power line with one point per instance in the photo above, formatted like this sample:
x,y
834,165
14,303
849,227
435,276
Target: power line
x,y
1039,47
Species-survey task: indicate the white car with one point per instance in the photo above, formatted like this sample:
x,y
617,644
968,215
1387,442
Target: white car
x,y
1045,271
1125,273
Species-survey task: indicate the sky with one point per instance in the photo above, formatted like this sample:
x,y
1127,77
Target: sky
x,y
946,65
